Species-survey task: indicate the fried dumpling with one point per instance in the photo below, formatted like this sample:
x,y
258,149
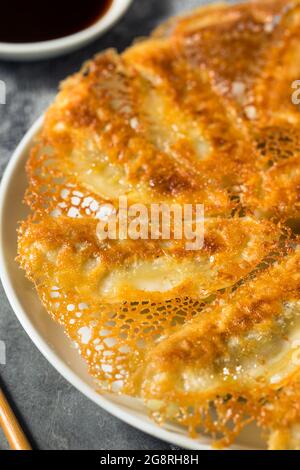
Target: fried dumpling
x,y
201,112
241,354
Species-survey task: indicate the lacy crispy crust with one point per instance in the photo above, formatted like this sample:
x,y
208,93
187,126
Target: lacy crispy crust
x,y
241,354
201,112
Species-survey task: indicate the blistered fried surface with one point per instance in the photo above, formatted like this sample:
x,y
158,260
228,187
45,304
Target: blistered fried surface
x,y
163,284
201,112
241,353
113,270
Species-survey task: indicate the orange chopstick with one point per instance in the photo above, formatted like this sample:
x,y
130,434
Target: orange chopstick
x,y
11,427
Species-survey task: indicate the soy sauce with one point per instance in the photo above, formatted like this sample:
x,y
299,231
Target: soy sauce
x,y
38,20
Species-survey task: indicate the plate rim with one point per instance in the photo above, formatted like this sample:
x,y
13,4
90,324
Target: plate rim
x,y
61,367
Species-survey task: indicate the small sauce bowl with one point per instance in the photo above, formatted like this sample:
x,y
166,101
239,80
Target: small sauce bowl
x,y
27,51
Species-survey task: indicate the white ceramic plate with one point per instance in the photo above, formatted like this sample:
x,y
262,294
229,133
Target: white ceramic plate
x,y
57,47
48,336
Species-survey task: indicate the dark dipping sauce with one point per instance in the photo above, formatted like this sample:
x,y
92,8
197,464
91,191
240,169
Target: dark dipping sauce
x,y
38,20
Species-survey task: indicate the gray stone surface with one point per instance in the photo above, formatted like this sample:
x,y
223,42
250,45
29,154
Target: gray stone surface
x,y
56,415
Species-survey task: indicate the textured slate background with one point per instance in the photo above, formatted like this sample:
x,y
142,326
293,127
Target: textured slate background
x,y
56,415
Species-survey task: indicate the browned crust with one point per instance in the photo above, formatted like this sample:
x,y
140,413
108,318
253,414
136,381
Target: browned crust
x,y
200,112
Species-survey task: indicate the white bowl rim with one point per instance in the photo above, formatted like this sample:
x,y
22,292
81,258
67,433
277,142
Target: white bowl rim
x,y
72,41
104,402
